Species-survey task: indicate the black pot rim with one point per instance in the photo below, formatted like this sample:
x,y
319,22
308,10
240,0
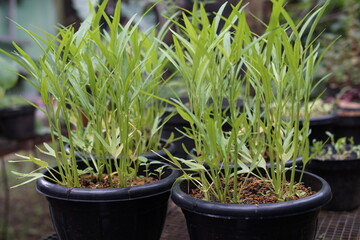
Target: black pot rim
x,y
321,120
171,147
17,111
336,166
249,211
52,190
333,161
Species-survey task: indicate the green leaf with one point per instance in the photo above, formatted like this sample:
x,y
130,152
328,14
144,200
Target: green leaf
x,y
32,176
142,159
184,115
85,171
37,161
50,150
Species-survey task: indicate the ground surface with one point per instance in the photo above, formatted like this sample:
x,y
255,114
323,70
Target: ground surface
x,y
28,215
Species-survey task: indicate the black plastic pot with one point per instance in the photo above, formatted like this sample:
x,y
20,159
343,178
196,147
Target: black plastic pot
x,y
295,220
131,213
174,123
347,126
171,147
319,125
348,121
17,123
344,179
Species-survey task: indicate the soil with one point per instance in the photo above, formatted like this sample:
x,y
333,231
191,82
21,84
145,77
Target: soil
x,y
253,190
92,182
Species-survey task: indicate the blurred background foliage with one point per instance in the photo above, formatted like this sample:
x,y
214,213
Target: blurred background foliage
x,y
29,217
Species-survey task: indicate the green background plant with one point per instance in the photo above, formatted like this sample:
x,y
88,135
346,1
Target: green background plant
x,y
343,58
340,149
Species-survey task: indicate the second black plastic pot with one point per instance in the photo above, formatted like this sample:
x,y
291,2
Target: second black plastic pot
x,y
320,125
295,220
344,179
17,123
348,121
348,126
130,213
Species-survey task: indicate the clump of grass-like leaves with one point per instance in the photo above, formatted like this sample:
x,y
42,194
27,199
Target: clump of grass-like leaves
x,y
91,82
268,72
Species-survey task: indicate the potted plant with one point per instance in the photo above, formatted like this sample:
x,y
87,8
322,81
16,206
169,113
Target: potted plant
x,y
91,83
16,114
348,114
338,163
227,191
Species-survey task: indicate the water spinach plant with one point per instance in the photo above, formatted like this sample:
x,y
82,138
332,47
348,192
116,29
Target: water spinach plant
x,y
340,149
268,72
91,83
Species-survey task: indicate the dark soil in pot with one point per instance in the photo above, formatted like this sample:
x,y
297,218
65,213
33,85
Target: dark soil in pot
x,y
252,190
17,123
130,213
295,220
344,179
